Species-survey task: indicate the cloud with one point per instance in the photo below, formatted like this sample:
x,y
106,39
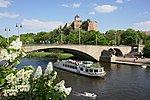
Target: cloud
x,y
94,4
144,13
76,5
65,5
105,8
4,3
8,15
92,13
121,1
145,26
39,25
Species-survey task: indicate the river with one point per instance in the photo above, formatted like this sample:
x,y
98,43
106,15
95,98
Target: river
x,y
122,82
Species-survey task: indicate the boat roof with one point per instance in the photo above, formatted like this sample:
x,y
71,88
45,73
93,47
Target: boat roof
x,y
88,64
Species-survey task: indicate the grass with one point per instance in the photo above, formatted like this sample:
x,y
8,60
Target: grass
x,y
38,54
49,54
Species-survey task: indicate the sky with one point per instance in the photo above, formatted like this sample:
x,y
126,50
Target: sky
x,y
46,15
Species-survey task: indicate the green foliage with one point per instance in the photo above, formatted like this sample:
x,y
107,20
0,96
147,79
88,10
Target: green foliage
x,y
13,38
3,73
3,42
130,37
70,36
146,39
27,38
146,50
38,54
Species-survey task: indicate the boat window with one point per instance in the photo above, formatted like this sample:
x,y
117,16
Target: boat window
x,y
75,67
72,67
91,70
95,70
86,70
81,69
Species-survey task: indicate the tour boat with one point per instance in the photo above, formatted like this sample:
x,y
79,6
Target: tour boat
x,y
87,68
89,95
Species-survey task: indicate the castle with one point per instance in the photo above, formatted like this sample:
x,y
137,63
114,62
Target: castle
x,y
84,25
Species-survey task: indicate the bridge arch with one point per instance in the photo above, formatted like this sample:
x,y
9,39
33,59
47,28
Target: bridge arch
x,y
77,53
115,51
118,52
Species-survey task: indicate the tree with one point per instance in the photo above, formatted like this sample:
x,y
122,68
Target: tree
x,y
72,37
27,38
146,50
110,36
130,37
3,42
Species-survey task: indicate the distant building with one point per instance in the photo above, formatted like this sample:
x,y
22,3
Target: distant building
x,y
146,32
84,25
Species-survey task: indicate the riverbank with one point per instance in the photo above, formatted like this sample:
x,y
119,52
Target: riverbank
x,y
133,61
49,54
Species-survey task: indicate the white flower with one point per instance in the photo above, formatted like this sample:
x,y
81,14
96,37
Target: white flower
x,y
20,74
5,93
16,44
4,53
10,92
24,88
68,90
61,88
49,83
11,79
53,77
14,56
49,69
38,73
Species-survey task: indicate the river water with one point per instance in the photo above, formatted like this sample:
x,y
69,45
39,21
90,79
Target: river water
x,y
122,82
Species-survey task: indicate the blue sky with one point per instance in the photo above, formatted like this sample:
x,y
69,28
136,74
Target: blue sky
x,y
46,15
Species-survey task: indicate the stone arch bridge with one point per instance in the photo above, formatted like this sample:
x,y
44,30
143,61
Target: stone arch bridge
x,y
91,52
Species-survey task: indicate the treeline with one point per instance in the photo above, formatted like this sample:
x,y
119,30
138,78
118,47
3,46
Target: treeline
x,y
111,37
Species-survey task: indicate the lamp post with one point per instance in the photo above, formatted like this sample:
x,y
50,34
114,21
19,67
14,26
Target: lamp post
x,y
96,39
115,38
61,36
7,30
136,41
18,26
79,36
60,30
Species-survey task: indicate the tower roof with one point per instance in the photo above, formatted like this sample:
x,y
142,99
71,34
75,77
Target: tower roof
x,y
77,16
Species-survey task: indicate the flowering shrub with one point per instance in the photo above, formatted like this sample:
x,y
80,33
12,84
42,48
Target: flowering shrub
x,y
24,83
12,53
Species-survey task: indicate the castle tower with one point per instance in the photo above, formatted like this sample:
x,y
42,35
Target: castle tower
x,y
77,22
77,18
92,25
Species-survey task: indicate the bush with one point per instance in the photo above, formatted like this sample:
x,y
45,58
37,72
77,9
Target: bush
x,y
24,84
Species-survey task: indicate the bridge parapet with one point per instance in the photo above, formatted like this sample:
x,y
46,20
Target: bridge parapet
x,y
91,50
